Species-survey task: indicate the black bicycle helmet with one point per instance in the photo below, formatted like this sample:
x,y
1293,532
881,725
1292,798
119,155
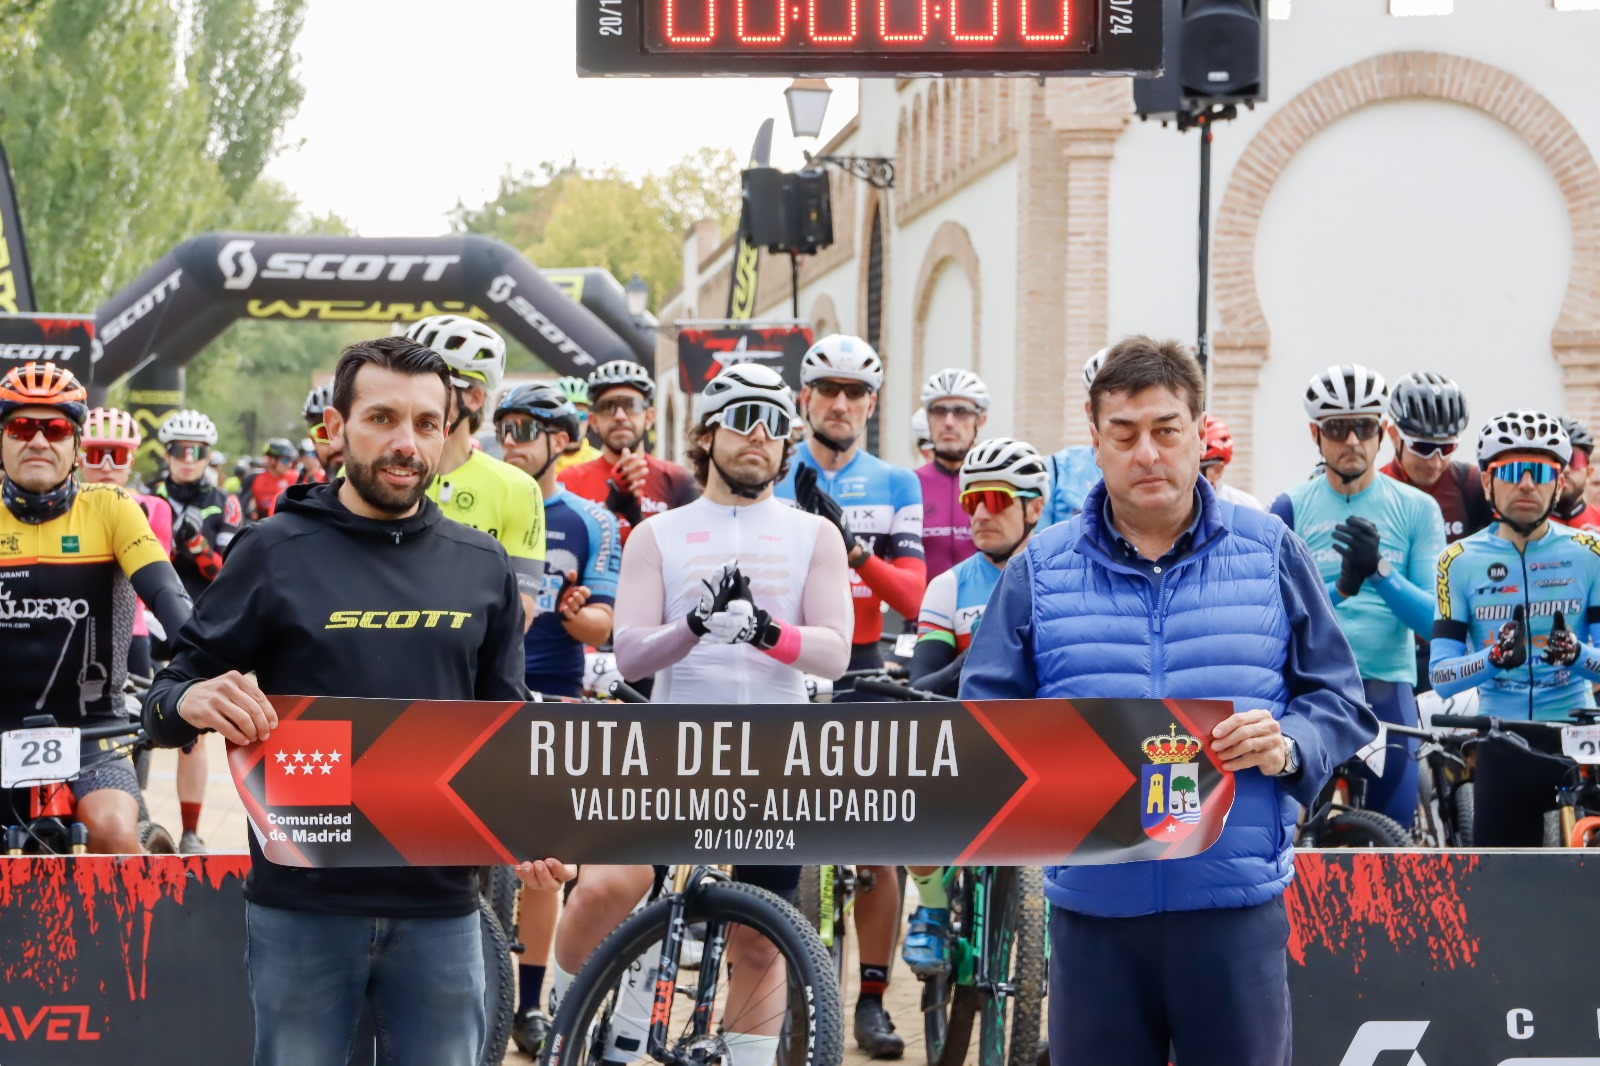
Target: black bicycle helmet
x,y
1428,406
546,403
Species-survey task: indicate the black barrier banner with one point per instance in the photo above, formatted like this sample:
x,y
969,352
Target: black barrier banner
x,y
207,283
66,340
16,280
127,959
348,782
704,348
1453,959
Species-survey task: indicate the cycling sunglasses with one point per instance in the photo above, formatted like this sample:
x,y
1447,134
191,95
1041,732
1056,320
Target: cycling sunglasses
x,y
853,390
1512,471
1339,429
319,434
187,450
107,456
1427,449
960,412
745,417
993,500
1580,461
55,429
630,405
514,430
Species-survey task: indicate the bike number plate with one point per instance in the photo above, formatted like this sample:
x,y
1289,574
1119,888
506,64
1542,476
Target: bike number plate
x,y
38,756
1581,743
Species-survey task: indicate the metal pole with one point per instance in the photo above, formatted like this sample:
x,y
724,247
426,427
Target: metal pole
x,y
1202,337
794,285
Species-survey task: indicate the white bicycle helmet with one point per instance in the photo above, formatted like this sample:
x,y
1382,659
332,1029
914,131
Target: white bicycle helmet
x,y
621,372
1523,431
318,400
1092,368
744,382
187,425
842,358
470,349
1015,462
108,425
956,384
921,433
1342,391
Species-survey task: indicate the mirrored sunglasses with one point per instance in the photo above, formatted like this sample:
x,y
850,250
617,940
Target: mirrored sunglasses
x,y
107,456
187,450
630,405
1339,429
994,500
1580,460
853,390
1427,449
960,412
54,429
515,430
1513,471
745,417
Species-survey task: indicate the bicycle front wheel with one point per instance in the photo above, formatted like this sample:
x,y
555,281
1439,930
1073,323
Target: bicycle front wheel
x,y
803,1012
1016,970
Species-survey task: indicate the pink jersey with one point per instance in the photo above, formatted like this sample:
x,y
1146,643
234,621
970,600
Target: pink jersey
x,y
159,512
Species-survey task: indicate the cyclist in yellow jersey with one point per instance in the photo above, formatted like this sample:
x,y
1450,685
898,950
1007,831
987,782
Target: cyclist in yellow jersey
x,y
475,489
72,559
579,450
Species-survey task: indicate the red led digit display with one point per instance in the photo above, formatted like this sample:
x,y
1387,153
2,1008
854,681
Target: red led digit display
x,y
809,26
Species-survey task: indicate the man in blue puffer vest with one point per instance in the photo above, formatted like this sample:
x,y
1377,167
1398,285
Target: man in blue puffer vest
x,y
1160,589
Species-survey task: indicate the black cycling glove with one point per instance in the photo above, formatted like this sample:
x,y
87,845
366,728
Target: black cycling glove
x,y
810,497
721,589
1510,648
1561,646
1356,540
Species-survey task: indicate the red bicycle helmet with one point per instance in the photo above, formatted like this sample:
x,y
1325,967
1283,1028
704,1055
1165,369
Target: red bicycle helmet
x,y
1219,442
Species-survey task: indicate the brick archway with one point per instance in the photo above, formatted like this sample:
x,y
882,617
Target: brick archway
x,y
1242,342
951,244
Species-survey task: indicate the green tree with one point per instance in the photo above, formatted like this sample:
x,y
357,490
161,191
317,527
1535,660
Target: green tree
x,y
1183,784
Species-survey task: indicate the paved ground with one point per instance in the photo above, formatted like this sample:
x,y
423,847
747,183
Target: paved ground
x,y
222,824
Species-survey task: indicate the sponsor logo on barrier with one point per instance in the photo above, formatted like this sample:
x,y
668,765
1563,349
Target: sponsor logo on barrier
x,y
500,291
1375,1038
54,1022
358,310
239,269
54,353
141,307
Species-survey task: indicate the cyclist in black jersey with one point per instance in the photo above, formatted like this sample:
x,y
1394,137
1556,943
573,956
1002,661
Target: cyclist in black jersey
x,y
204,517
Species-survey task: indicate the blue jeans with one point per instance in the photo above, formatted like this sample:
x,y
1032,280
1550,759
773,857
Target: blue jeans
x,y
310,973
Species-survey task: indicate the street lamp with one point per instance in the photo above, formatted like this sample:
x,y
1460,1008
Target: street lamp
x,y
638,295
808,103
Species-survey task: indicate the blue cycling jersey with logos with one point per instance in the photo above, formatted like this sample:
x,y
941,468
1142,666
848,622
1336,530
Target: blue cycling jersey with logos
x,y
579,535
1377,618
953,606
1481,581
1073,472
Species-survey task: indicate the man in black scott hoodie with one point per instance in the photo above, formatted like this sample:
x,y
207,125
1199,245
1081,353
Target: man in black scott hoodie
x,y
405,939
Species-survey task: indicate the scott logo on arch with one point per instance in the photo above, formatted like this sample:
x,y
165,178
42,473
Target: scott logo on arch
x,y
239,269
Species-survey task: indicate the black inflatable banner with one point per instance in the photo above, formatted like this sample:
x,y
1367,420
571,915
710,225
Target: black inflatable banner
x,y
66,340
600,292
348,782
177,307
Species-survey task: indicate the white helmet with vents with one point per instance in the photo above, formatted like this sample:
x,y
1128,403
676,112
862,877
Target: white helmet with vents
x,y
1015,462
187,425
621,372
842,358
1092,368
956,384
1344,391
471,349
1523,431
741,383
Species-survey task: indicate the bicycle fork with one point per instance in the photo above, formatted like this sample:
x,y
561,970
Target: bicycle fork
x,y
658,1041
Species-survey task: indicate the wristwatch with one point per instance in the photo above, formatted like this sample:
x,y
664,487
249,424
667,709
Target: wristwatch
x,y
1385,567
1291,757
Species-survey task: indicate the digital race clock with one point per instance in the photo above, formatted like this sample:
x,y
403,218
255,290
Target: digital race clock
x,y
854,38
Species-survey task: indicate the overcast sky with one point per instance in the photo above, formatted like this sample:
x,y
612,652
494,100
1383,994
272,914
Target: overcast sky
x,y
411,105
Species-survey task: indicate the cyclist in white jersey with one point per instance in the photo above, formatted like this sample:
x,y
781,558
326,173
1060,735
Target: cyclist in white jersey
x,y
733,596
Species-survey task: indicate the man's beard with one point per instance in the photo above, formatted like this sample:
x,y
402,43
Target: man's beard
x,y
364,478
631,446
950,453
840,446
746,486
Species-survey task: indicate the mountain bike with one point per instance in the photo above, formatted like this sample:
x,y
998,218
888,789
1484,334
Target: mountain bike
x,y
1554,778
997,945
643,959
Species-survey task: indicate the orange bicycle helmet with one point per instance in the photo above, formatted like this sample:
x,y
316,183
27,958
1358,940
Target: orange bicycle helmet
x,y
44,385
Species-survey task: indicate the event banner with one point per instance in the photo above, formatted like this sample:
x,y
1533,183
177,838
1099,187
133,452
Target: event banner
x,y
355,782
66,340
16,280
705,348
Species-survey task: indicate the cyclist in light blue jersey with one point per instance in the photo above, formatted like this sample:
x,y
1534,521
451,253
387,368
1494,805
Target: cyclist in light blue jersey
x,y
1375,542
1514,597
1073,470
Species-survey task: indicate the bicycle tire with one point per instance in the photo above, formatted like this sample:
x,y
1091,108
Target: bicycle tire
x,y
808,898
1017,955
155,840
1466,804
499,986
812,984
1357,828
949,1009
501,888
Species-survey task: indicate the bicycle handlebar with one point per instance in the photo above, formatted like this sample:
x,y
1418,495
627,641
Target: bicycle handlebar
x,y
621,690
896,690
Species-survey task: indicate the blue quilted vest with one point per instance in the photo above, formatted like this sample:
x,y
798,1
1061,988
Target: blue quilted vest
x,y
1212,626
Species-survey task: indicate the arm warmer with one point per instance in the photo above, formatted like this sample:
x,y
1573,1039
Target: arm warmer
x,y
644,644
900,583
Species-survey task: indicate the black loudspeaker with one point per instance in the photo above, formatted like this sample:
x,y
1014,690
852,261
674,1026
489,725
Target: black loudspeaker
x,y
1214,53
787,212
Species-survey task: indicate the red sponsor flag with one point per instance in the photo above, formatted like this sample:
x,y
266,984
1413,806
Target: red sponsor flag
x,y
308,765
